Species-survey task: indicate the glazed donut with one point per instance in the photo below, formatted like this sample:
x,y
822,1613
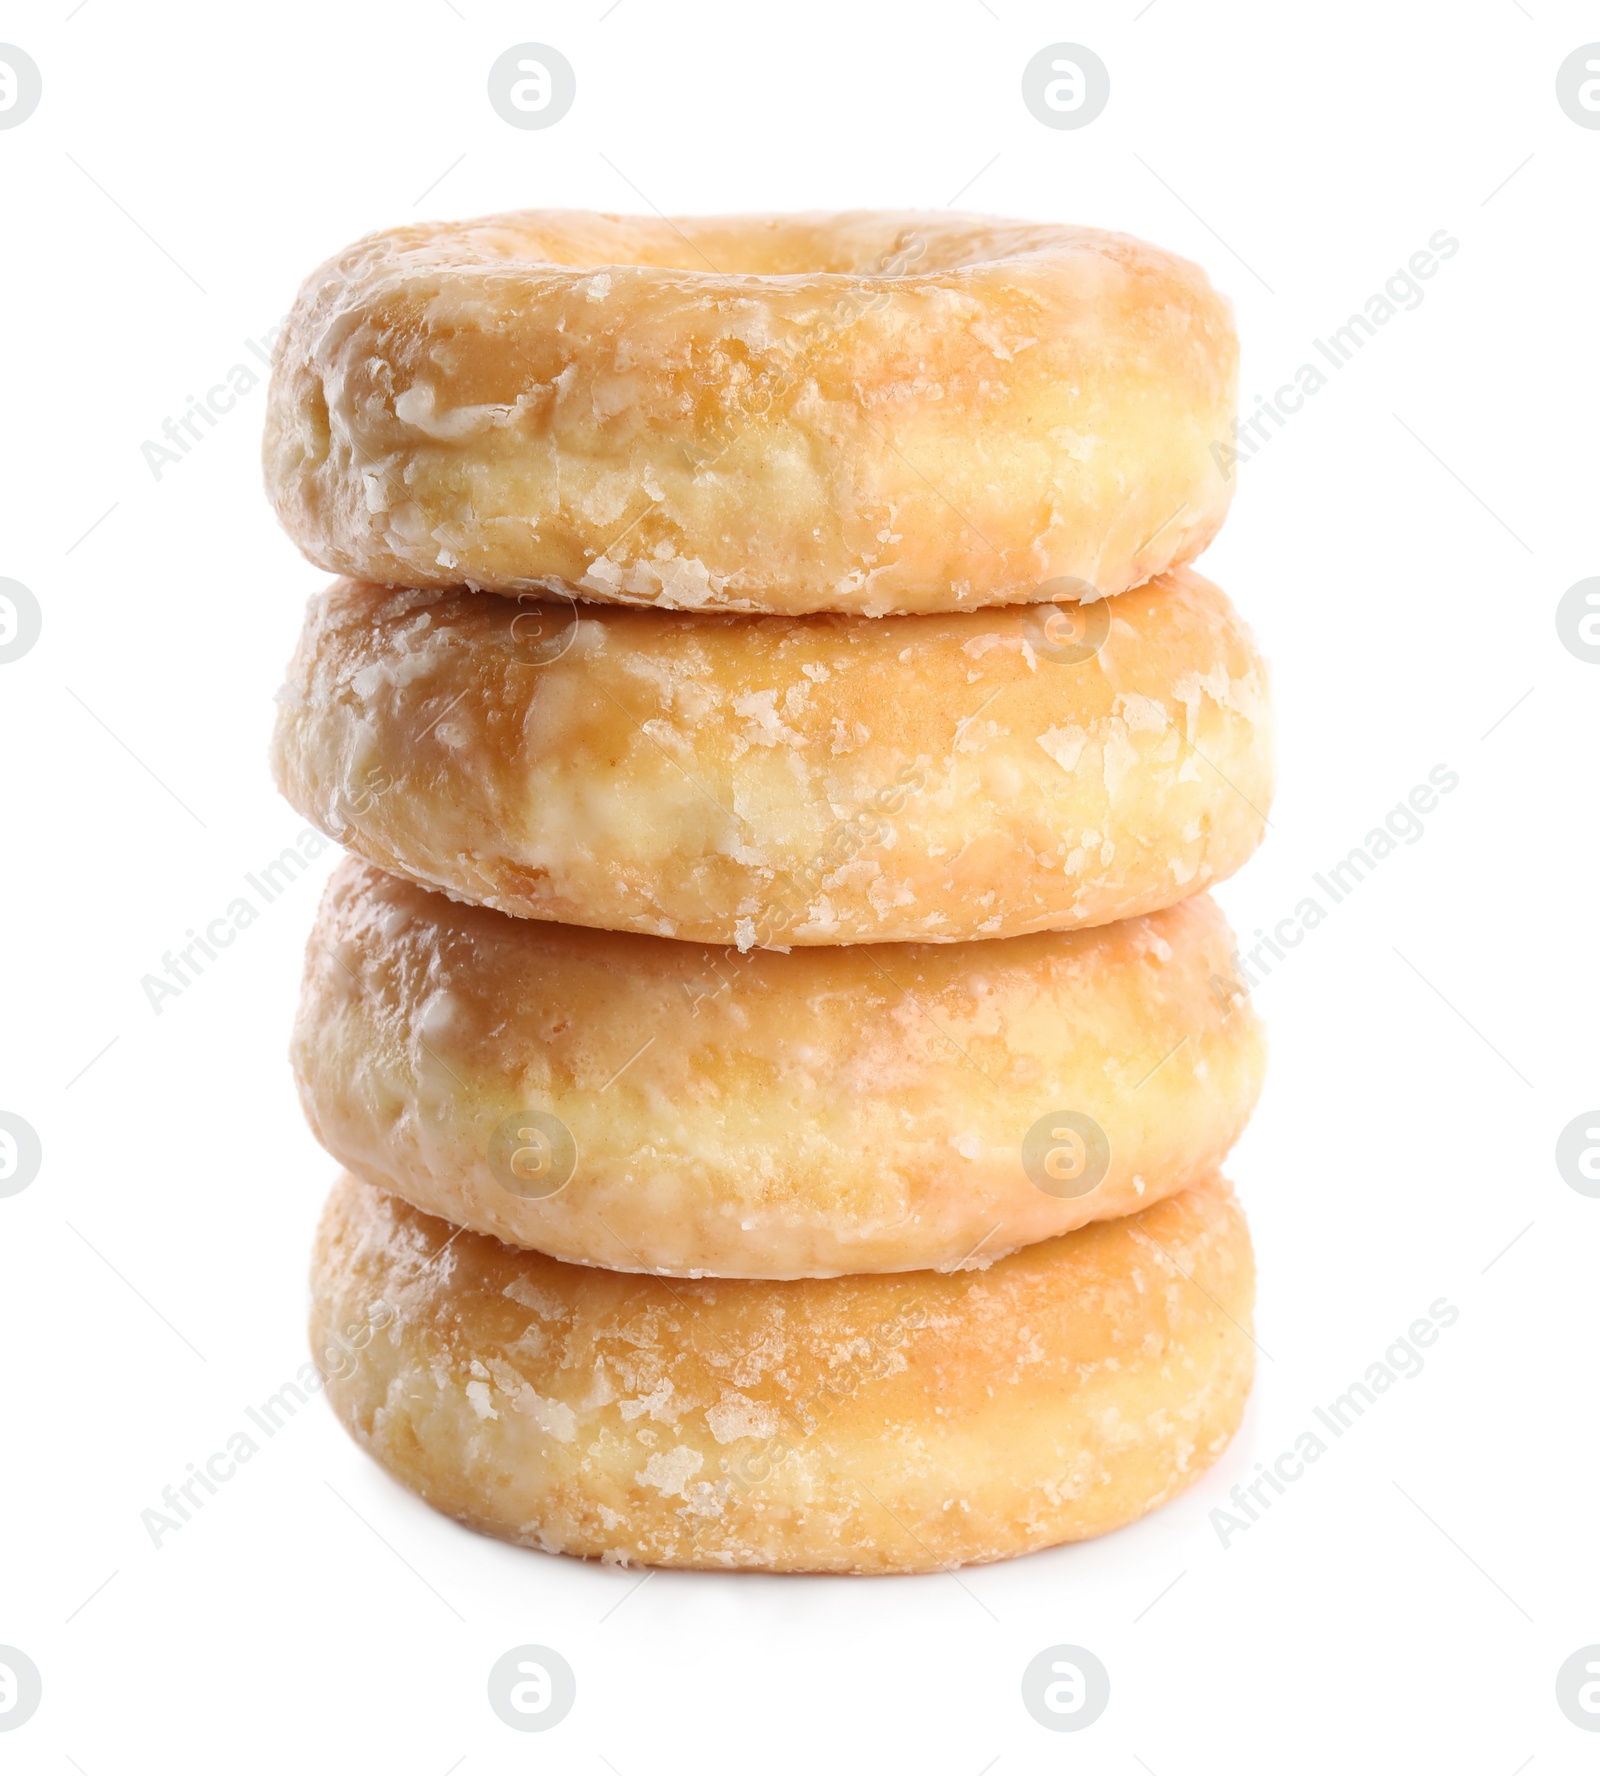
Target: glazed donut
x,y
857,1424
867,412
655,1106
773,781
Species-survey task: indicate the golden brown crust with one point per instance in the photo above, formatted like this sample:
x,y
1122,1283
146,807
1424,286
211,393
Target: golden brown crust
x,y
772,780
869,411
857,1424
825,1111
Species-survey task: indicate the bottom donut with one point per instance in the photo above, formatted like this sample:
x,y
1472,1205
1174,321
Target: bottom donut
x,y
899,1423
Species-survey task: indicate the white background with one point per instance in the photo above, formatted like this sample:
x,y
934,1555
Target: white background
x,y
1400,548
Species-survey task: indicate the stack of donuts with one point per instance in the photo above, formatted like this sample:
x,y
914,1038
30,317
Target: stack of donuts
x,y
771,1019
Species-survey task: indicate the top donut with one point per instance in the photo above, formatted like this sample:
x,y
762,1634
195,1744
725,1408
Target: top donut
x,y
873,412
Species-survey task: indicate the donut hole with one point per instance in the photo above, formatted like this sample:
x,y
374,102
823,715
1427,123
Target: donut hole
x,y
858,244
